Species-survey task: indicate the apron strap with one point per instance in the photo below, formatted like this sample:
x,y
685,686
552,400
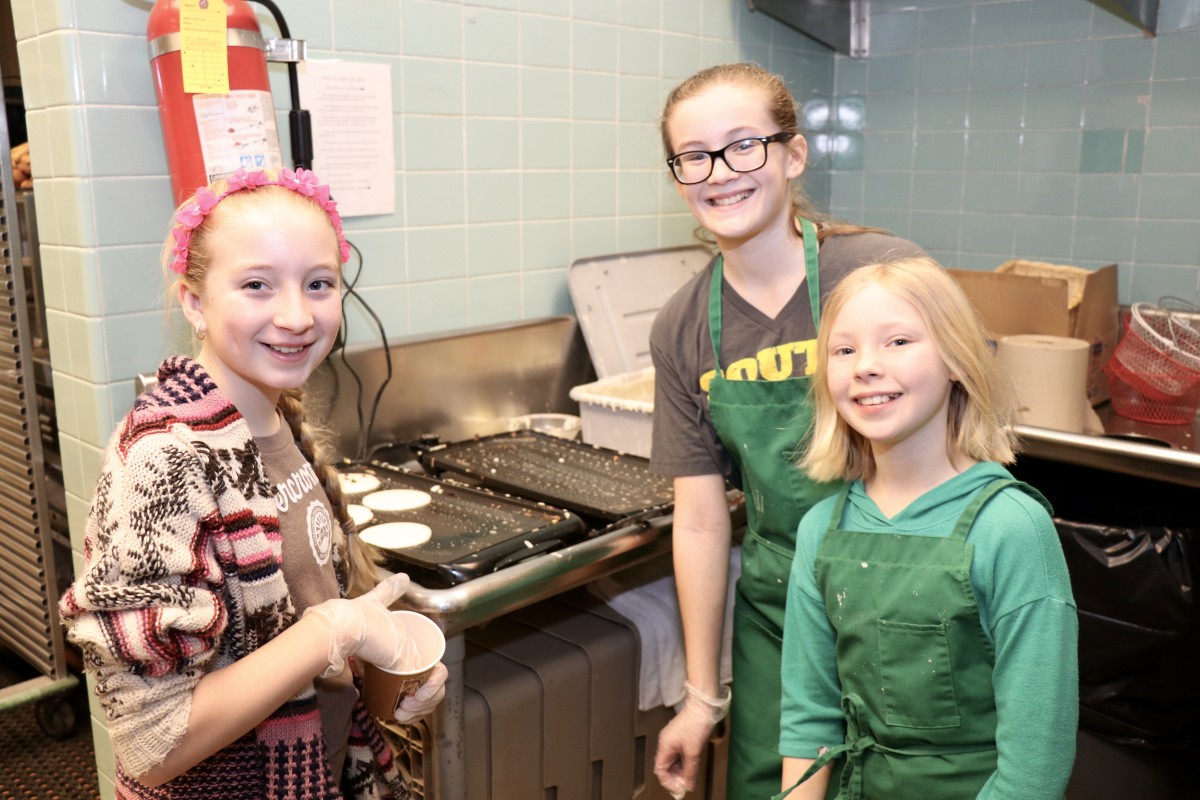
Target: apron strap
x,y
835,519
811,276
714,309
965,520
812,269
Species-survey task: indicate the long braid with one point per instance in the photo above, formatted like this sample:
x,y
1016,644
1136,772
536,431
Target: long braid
x,y
358,571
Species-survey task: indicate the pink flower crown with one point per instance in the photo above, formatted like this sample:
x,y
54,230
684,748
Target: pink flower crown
x,y
302,181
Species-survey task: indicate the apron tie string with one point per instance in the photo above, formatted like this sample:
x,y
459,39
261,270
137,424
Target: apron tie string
x,y
860,739
855,745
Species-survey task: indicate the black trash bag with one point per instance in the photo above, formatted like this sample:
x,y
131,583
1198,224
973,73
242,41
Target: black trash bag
x,y
1138,632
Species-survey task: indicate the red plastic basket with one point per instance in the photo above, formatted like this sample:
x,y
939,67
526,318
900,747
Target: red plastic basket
x,y
1149,384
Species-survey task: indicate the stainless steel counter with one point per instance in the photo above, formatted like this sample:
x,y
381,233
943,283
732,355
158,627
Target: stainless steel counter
x,y
1128,447
490,596
520,585
1122,449
534,579
485,598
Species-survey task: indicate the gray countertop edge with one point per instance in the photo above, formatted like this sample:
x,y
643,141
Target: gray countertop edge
x,y
1113,454
489,596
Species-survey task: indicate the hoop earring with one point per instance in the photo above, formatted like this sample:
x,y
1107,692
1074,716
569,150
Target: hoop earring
x,y
200,332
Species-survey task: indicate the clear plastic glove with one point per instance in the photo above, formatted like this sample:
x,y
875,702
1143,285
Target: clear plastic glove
x,y
425,698
683,740
363,627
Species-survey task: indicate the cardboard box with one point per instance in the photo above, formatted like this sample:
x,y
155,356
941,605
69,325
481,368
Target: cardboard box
x,y
1052,299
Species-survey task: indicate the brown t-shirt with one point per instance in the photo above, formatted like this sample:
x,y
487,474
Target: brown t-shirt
x,y
307,524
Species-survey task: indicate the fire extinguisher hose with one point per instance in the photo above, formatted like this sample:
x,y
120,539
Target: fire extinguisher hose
x,y
299,120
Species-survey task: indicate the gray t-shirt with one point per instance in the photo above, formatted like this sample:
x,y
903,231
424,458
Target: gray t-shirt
x,y
684,440
307,524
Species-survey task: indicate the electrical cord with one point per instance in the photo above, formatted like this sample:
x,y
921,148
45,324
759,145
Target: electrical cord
x,y
364,430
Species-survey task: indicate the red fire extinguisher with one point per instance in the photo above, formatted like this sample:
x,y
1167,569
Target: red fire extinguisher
x,y
211,127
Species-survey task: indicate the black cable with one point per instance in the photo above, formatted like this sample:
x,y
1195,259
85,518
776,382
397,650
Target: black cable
x,y
364,430
343,336
278,15
281,23
299,120
341,348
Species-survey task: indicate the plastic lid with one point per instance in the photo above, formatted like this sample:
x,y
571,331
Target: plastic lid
x,y
629,391
617,297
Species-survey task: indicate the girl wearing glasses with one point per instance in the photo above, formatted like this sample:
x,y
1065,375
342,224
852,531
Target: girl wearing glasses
x,y
733,350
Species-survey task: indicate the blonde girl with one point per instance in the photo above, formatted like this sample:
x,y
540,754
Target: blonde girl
x,y
930,640
210,607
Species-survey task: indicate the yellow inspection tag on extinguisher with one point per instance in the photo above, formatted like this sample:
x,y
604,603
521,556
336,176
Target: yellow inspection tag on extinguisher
x,y
204,47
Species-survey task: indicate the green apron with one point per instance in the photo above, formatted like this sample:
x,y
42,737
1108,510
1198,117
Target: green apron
x,y
759,423
914,662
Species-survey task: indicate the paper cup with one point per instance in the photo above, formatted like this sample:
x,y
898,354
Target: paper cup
x,y
384,689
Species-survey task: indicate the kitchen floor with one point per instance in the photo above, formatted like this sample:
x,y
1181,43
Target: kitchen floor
x,y
33,765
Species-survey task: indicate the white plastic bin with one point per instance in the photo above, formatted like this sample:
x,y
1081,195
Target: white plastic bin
x,y
616,411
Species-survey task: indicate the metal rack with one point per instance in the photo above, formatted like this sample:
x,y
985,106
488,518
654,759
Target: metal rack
x,y
29,558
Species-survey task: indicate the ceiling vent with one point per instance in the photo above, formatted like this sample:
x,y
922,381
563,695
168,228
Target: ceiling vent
x,y
1142,13
840,24
844,25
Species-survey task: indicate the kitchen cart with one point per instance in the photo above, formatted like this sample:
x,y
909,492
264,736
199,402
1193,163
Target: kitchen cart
x,y
34,548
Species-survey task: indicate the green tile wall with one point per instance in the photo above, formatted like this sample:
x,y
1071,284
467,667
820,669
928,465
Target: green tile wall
x,y
525,138
1074,138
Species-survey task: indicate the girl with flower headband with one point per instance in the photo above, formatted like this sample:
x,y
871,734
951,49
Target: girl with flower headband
x,y
212,609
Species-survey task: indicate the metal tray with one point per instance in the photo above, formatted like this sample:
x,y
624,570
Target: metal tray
x,y
594,482
475,532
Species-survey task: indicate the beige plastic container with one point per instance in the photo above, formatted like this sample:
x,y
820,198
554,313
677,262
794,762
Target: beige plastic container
x,y
616,411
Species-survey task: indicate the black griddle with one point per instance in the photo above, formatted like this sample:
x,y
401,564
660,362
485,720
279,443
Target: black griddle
x,y
599,484
475,532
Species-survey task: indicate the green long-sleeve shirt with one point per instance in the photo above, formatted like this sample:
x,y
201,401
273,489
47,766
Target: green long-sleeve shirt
x,y
1025,604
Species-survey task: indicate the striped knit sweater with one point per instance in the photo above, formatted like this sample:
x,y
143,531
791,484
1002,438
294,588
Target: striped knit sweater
x,y
182,576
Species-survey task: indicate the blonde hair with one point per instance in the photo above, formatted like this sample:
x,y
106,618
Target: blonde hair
x,y
356,572
784,111
982,407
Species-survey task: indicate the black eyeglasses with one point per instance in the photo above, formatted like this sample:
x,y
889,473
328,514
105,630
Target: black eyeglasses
x,y
744,155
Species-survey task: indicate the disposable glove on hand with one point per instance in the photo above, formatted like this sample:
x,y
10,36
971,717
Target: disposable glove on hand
x,y
682,740
425,698
364,627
